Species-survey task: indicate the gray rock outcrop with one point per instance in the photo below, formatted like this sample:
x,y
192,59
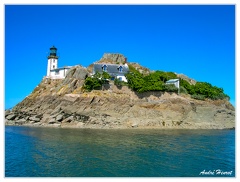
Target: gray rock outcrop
x,y
124,109
115,58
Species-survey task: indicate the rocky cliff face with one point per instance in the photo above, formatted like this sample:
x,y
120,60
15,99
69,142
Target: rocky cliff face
x,y
63,103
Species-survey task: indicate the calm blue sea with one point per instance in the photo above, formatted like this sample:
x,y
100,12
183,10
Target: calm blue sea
x,y
58,152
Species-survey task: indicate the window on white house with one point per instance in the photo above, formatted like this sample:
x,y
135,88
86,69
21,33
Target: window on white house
x,y
53,66
104,67
120,68
53,60
57,72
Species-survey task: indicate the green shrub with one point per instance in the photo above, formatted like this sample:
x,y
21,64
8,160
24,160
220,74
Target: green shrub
x,y
198,97
155,82
135,80
183,90
92,83
151,82
105,76
118,82
209,91
96,81
220,96
171,88
187,86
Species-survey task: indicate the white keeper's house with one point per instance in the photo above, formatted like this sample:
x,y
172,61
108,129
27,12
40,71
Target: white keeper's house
x,y
53,71
116,71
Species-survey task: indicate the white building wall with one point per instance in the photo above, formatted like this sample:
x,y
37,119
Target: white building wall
x,y
61,73
58,74
123,78
176,83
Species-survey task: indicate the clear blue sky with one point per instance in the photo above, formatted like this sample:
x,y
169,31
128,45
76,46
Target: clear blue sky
x,y
196,40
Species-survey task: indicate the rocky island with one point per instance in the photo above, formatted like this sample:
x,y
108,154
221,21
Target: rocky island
x,y
67,103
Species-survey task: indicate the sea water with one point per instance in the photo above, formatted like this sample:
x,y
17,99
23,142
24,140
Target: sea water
x,y
58,152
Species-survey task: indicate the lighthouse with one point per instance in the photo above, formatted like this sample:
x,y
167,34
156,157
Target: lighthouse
x,y
52,60
53,71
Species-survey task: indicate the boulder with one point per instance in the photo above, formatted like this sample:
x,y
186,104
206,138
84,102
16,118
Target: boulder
x,y
52,121
11,117
20,121
17,118
34,118
54,115
31,122
59,117
38,116
68,120
57,110
134,125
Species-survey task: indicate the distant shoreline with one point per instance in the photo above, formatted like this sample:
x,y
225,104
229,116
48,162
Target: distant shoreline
x,y
117,128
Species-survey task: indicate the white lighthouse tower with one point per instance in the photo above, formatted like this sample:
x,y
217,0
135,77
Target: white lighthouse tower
x,y
52,60
53,71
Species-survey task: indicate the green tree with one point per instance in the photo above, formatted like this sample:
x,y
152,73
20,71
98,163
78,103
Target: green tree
x,y
92,83
96,81
135,80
